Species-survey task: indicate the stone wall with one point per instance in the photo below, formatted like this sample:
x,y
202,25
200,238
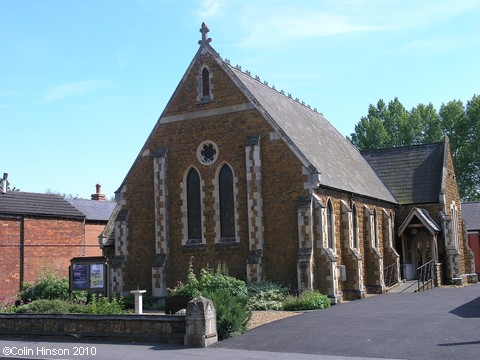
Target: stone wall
x,y
197,328
155,328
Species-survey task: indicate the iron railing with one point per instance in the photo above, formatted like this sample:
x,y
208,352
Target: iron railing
x,y
390,274
426,276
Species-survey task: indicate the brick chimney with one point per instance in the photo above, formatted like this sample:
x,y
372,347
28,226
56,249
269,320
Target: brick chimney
x,y
98,195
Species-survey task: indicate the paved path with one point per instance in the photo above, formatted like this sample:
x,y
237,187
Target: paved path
x,y
442,323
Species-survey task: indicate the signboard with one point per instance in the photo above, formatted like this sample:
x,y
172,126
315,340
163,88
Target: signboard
x,y
89,274
79,276
96,276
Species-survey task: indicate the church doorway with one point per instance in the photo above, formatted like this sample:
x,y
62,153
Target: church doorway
x,y
418,235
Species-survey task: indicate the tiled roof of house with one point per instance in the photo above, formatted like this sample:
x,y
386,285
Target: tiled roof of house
x,y
50,205
471,215
94,210
412,173
339,163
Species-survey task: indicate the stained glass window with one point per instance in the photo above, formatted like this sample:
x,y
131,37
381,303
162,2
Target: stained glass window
x,y
205,84
194,211
227,207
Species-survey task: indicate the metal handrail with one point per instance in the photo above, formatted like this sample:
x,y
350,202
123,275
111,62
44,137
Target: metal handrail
x,y
390,275
426,276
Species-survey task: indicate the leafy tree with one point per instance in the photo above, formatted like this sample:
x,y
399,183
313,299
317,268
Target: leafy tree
x,y
392,125
370,132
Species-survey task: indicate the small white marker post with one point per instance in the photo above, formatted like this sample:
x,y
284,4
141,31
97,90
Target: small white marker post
x,y
138,300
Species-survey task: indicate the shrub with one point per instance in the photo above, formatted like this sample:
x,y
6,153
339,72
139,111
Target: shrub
x,y
53,306
209,280
228,294
266,295
190,289
79,296
103,306
6,304
148,301
308,300
232,312
97,305
47,287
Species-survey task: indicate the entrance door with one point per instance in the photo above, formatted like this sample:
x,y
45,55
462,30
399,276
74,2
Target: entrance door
x,y
422,249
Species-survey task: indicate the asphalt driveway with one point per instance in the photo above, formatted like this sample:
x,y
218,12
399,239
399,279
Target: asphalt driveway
x,y
442,323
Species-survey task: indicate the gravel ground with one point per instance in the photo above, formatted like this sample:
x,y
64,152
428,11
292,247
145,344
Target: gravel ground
x,y
258,317
265,317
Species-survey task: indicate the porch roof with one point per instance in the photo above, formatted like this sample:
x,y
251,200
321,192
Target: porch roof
x,y
425,219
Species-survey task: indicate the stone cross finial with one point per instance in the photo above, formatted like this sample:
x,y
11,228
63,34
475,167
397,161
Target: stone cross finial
x,y
205,39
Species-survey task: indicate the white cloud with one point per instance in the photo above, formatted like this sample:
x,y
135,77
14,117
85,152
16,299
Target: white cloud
x,y
64,91
275,22
439,45
209,8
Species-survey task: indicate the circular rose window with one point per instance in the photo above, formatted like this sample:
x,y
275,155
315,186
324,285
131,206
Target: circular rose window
x,y
207,152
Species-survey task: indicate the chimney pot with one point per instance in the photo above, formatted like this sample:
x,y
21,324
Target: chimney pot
x,y
4,183
98,195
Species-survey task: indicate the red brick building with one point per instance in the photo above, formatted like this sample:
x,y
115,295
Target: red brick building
x,y
471,215
43,232
238,172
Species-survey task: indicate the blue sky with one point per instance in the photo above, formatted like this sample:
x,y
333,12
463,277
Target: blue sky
x,y
82,83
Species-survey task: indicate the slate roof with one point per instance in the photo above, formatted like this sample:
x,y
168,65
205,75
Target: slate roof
x,y
471,215
412,173
340,164
49,205
313,139
94,210
422,215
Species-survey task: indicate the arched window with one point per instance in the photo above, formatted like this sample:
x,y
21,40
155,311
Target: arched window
x,y
205,83
375,228
355,227
227,206
194,208
455,230
330,226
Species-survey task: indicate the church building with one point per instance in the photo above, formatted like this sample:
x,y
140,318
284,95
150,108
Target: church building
x,y
237,172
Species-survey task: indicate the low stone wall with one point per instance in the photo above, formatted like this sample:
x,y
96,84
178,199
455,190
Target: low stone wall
x,y
154,328
198,327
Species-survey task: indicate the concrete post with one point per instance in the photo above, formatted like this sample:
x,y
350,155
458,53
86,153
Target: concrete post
x,y
438,274
138,300
200,323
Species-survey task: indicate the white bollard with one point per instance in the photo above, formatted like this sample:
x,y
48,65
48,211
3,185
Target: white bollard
x,y
138,300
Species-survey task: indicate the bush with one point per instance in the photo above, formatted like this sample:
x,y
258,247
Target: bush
x,y
266,295
148,301
308,300
209,280
6,304
47,287
79,296
232,312
97,305
103,306
228,294
55,306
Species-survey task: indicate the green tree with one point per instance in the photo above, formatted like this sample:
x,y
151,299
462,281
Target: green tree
x,y
370,132
469,153
396,124
428,128
392,125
